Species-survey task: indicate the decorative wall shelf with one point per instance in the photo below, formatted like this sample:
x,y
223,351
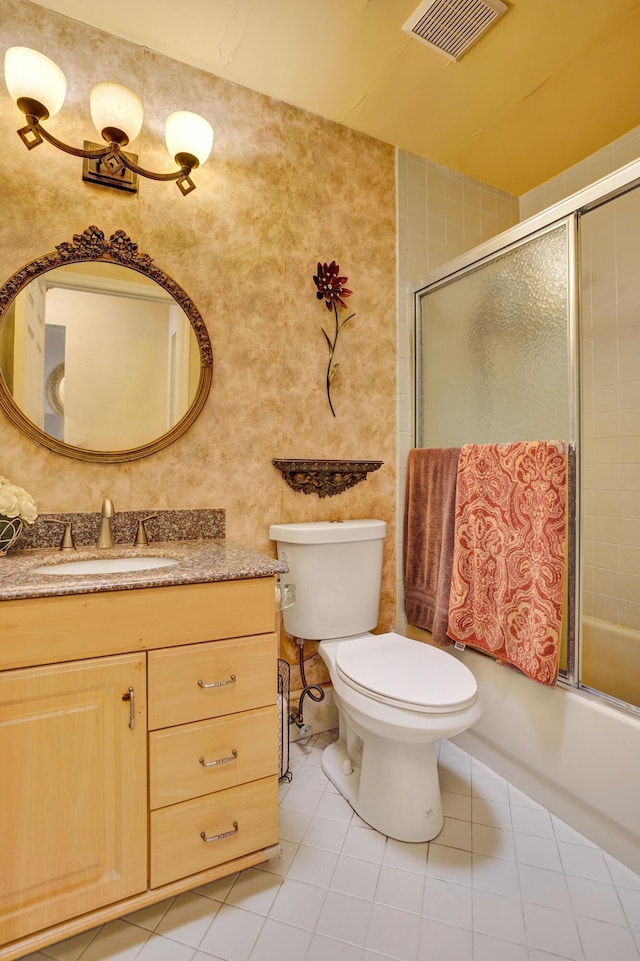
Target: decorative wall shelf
x,y
326,478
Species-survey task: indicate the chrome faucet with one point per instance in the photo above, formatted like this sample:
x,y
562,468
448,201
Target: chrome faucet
x,y
105,537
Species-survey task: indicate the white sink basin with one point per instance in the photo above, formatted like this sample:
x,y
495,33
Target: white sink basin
x,y
105,565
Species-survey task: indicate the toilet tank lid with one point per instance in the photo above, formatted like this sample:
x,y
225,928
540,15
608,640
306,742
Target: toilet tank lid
x,y
328,532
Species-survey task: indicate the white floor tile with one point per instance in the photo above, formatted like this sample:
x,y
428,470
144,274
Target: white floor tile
x,y
158,948
313,865
304,800
492,842
583,862
505,881
344,917
553,931
449,864
118,941
232,934
486,948
328,949
278,940
444,942
298,904
456,834
537,852
497,875
393,932
408,857
498,916
606,941
364,843
490,788
531,821
188,919
326,834
456,805
400,889
593,899
495,814
293,824
454,781
541,886
447,902
355,876
254,891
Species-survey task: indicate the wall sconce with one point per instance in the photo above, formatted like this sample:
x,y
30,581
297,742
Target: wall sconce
x,y
38,87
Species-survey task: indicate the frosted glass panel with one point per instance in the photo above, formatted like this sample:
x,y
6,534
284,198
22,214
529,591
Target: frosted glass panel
x,y
493,349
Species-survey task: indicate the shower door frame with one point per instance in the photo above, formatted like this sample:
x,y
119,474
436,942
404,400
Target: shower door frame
x,y
568,212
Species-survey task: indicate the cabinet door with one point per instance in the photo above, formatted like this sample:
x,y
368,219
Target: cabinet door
x,y
73,832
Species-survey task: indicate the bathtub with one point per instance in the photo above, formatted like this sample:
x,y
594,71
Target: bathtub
x,y
572,752
611,659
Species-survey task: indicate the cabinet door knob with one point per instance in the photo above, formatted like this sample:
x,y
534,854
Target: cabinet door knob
x,y
231,680
219,837
221,760
131,698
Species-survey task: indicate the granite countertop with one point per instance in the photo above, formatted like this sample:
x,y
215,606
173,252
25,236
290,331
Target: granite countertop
x,y
199,561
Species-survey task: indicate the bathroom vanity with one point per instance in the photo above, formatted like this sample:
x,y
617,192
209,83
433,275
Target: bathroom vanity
x,y
138,735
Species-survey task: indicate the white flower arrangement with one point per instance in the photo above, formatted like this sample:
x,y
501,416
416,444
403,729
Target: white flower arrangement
x,y
15,502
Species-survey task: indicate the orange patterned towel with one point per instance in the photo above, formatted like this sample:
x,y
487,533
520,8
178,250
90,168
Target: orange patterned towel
x,y
508,581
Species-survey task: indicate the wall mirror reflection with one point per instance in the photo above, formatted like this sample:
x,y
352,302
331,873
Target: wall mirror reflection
x,y
102,358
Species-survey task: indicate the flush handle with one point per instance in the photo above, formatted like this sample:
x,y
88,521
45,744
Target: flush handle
x,y
221,760
219,837
231,680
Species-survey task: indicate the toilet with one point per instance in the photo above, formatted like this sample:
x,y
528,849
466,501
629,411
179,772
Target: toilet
x,y
396,697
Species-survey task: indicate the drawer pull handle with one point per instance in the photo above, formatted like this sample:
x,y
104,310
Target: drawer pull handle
x,y
221,760
130,697
219,837
231,680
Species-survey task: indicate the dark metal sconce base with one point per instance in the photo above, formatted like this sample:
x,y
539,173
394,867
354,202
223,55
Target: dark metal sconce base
x,y
109,175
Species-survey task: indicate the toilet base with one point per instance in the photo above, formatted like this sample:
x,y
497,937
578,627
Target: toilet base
x,y
392,786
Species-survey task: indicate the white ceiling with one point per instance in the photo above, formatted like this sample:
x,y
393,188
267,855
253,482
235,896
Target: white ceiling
x,y
550,83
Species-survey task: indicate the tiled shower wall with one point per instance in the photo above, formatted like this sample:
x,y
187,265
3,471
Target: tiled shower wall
x,y
611,383
611,411
441,213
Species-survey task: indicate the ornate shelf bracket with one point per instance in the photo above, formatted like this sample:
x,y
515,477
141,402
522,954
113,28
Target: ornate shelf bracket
x,y
326,478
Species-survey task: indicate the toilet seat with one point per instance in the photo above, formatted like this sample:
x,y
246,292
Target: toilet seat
x,y
405,674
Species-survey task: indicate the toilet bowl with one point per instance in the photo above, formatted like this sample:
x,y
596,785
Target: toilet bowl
x,y
396,697
385,761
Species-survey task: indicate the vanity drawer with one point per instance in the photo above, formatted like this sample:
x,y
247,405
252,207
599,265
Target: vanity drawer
x,y
196,759
202,681
238,820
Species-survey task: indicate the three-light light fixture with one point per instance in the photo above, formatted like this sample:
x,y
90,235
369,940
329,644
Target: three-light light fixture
x,y
39,86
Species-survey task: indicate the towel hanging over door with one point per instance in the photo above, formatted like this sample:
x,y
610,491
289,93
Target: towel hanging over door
x,y
508,580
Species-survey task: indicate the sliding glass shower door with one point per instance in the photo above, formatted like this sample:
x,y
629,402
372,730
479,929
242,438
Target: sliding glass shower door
x,y
495,364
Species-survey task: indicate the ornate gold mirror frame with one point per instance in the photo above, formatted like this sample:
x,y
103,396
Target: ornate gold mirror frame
x,y
92,245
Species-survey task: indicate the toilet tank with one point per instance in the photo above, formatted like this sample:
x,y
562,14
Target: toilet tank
x,y
336,567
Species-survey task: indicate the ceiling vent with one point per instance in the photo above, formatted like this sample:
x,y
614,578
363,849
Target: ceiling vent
x,y
452,26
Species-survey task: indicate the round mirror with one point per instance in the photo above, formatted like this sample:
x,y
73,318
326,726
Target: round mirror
x,y
103,357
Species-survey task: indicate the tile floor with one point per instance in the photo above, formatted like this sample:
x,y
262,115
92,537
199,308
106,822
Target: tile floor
x,y
504,881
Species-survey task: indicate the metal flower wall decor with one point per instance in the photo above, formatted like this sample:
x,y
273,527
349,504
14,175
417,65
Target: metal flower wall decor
x,y
331,289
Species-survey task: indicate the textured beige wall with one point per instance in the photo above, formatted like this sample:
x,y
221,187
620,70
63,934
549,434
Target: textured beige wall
x,y
282,190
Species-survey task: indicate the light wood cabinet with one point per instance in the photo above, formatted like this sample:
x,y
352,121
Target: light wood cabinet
x,y
110,803
72,769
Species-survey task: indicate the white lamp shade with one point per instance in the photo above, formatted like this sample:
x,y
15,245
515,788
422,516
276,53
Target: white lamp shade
x,y
32,75
113,105
188,132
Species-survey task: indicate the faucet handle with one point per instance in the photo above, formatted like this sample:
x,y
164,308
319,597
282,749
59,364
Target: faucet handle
x,y
141,536
67,543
